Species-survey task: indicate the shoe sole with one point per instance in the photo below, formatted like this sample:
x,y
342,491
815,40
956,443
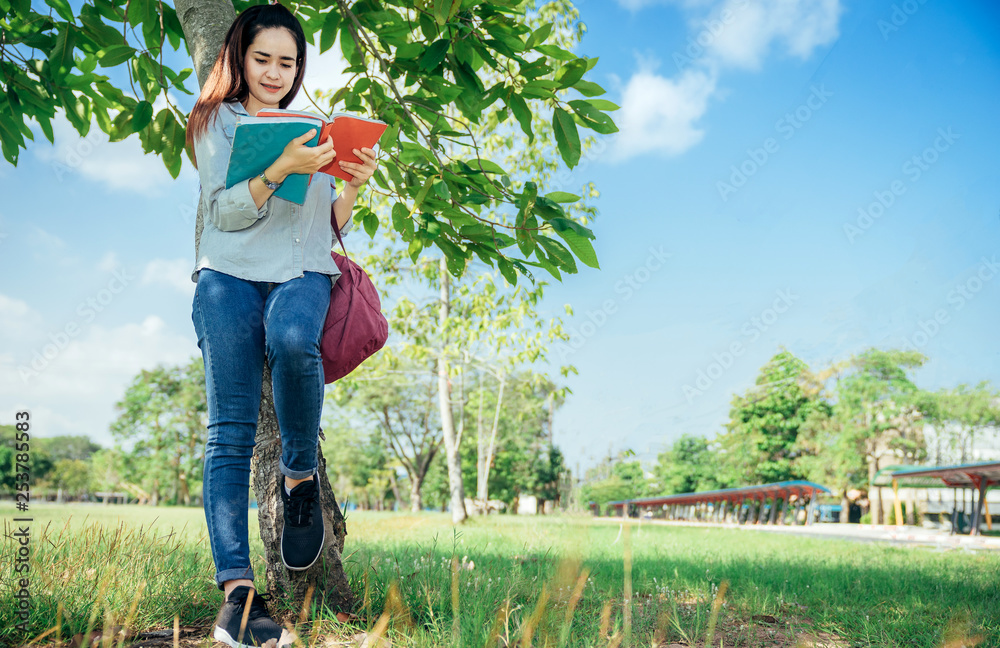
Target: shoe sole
x,y
220,634
322,545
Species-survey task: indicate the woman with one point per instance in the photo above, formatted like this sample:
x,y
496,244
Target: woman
x,y
264,273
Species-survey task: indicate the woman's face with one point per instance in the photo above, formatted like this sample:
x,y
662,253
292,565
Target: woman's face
x,y
269,68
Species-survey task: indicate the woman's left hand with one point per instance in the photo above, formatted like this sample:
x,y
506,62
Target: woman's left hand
x,y
361,172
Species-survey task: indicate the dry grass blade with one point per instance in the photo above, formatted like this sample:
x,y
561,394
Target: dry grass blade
x,y
605,620
246,613
574,598
130,618
305,603
529,629
716,608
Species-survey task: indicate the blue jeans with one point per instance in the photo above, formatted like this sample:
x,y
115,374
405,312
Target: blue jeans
x,y
237,322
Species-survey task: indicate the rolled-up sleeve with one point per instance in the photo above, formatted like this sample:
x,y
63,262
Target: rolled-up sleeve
x,y
229,209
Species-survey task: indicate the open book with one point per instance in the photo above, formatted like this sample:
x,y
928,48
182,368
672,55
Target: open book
x,y
259,141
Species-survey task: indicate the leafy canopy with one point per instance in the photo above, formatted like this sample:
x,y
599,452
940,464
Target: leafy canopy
x,y
434,70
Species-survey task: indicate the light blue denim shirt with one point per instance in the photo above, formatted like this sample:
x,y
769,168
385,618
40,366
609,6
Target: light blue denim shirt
x,y
275,243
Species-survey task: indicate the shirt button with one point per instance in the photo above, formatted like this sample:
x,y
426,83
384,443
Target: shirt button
x,y
296,240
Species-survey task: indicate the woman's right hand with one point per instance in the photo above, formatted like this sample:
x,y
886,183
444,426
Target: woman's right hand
x,y
298,157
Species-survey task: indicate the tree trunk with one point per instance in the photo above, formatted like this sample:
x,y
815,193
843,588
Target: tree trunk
x,y
327,574
395,489
416,503
845,508
205,23
484,487
458,514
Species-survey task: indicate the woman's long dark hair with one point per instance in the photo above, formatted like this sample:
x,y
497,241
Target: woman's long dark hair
x,y
227,80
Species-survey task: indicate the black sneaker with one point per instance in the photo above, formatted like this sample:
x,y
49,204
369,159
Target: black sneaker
x,y
260,627
303,534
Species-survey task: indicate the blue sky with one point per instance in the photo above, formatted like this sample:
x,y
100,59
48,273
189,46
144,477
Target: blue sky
x,y
813,174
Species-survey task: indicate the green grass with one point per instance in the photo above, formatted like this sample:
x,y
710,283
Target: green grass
x,y
515,576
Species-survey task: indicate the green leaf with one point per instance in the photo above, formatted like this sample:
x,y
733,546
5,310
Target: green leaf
x,y
571,72
593,118
487,166
115,55
555,52
422,194
522,113
558,252
603,104
539,35
562,197
141,115
445,10
588,88
62,8
581,246
567,137
507,270
561,223
371,222
434,54
328,34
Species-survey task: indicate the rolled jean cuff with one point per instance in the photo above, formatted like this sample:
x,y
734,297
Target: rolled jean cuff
x,y
294,474
232,574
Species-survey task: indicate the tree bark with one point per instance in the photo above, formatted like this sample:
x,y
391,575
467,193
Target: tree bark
x,y
416,503
455,486
205,23
327,574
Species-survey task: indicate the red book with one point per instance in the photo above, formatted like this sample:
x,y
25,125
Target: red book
x,y
349,132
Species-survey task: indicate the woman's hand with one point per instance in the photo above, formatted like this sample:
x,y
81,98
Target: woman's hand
x,y
361,172
298,157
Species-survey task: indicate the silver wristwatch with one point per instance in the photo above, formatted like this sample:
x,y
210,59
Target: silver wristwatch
x,y
267,183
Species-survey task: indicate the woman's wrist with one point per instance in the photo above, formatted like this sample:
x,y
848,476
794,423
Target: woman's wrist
x,y
276,172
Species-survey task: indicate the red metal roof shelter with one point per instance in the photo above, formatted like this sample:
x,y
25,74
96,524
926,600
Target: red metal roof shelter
x,y
979,476
783,491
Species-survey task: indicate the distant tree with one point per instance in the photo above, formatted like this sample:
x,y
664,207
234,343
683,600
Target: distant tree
x,y
395,399
68,447
965,412
877,415
163,415
689,465
614,480
758,445
69,477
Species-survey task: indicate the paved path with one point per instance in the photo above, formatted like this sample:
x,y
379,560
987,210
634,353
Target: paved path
x,y
905,535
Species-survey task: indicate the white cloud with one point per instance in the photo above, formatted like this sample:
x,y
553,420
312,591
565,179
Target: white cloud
x,y
174,273
17,320
75,391
746,34
660,114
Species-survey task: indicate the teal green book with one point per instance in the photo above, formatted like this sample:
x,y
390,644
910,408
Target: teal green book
x,y
257,143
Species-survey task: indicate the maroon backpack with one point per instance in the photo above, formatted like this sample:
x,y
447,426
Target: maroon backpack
x,y
355,327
